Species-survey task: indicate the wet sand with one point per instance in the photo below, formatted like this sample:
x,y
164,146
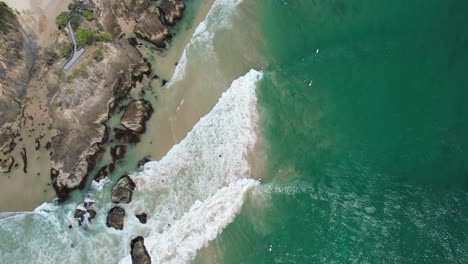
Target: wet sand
x,y
181,105
25,191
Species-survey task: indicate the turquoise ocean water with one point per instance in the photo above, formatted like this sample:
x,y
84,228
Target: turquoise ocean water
x,y
362,118
364,110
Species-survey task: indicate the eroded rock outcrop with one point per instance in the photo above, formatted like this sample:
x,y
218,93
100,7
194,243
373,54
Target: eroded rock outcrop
x,y
138,251
136,114
115,218
173,11
123,190
151,28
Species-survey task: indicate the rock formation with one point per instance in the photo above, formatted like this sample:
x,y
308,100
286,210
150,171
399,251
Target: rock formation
x,y
136,114
115,218
123,190
138,251
173,11
151,28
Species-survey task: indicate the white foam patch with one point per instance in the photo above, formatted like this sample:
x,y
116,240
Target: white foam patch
x,y
201,224
218,18
211,157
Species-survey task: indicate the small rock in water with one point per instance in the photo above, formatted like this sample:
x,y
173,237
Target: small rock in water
x,y
143,218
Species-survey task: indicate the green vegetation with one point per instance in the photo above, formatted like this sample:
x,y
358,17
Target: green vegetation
x,y
67,51
5,14
75,22
89,15
62,77
104,36
98,55
62,19
99,26
73,6
85,37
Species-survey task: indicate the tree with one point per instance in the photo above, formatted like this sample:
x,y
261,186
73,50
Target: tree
x,y
85,37
62,19
89,15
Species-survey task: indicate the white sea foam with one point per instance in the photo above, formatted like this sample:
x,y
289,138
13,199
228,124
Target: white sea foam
x,y
218,18
192,177
190,195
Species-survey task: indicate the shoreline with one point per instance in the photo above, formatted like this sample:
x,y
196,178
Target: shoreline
x,y
14,200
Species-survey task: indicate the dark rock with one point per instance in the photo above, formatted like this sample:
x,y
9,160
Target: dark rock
x,y
151,29
112,167
123,190
118,152
48,145
38,144
126,136
143,161
102,173
136,114
133,41
143,218
173,11
115,218
138,251
24,157
82,215
7,164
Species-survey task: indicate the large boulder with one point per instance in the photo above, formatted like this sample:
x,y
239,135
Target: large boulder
x,y
115,218
136,114
123,190
173,11
138,251
151,28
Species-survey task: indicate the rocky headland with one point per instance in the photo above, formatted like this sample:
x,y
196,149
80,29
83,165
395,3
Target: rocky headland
x,y
69,111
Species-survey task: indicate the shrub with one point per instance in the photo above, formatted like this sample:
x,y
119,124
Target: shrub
x,y
62,19
75,22
73,6
98,55
104,36
85,37
89,15
66,52
99,26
